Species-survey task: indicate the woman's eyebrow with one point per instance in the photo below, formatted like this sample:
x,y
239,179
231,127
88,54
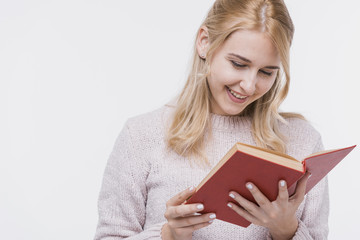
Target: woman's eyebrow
x,y
240,57
272,67
248,61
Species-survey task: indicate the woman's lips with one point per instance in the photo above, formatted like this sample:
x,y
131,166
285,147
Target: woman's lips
x,y
235,96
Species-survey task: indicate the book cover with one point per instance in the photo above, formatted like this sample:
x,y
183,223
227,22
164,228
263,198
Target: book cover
x,y
244,163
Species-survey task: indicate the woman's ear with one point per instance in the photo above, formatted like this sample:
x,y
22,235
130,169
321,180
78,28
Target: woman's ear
x,y
202,42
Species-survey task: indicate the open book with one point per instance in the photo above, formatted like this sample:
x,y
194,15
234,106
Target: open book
x,y
265,168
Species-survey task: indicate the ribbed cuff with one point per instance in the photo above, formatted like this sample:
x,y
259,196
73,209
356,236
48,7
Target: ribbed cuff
x,y
302,233
151,233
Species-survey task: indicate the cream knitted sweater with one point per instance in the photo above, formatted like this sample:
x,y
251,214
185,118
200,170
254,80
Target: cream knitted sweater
x,y
142,175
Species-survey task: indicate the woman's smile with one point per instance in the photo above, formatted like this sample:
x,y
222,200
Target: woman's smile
x,y
235,97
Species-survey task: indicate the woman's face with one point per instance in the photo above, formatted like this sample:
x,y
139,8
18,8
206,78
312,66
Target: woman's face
x,y
243,69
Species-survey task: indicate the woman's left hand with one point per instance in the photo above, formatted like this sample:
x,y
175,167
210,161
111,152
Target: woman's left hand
x,y
278,216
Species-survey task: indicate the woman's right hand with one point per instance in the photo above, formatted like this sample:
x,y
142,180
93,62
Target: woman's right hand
x,y
182,219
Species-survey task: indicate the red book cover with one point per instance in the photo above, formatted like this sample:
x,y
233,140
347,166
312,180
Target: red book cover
x,y
239,167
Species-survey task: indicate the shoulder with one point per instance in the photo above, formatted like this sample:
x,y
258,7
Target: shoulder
x,y
296,127
302,138
149,119
150,124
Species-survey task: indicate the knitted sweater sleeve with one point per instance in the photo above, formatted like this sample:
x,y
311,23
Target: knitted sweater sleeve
x,y
122,199
313,223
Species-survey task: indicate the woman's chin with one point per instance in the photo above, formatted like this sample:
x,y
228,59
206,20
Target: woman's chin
x,y
232,111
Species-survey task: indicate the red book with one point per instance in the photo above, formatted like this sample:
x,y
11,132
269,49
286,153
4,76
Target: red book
x,y
265,168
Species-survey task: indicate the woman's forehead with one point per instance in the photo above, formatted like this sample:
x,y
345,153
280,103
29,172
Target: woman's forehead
x,y
253,45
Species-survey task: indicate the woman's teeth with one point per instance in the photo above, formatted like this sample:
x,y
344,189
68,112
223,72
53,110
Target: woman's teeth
x,y
237,95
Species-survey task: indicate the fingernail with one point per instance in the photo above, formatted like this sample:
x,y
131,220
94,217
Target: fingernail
x,y
211,221
229,205
249,186
282,183
309,175
191,189
212,216
232,195
200,206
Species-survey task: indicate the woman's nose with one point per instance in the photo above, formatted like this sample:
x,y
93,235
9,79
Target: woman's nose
x,y
248,83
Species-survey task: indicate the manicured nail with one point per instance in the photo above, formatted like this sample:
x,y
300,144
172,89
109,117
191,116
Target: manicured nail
x,y
200,206
282,183
212,216
229,205
211,221
232,195
249,186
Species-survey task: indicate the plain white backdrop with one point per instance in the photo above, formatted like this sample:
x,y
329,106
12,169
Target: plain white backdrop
x,y
73,71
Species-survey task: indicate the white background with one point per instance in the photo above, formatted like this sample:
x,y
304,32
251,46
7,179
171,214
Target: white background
x,y
72,72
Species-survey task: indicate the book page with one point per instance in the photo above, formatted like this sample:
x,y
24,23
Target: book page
x,y
273,156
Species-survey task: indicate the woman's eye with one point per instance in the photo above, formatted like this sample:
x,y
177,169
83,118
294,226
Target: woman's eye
x,y
266,73
238,65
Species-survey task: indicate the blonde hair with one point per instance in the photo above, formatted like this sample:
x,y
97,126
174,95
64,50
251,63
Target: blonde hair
x,y
186,134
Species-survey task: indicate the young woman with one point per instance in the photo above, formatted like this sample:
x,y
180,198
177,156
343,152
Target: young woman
x,y
239,77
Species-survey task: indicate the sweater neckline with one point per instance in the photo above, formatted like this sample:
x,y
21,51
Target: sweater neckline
x,y
223,122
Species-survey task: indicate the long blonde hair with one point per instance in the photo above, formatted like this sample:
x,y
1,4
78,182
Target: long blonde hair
x,y
191,119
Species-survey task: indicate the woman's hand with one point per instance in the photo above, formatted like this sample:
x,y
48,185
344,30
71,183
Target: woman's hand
x,y
278,216
183,219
